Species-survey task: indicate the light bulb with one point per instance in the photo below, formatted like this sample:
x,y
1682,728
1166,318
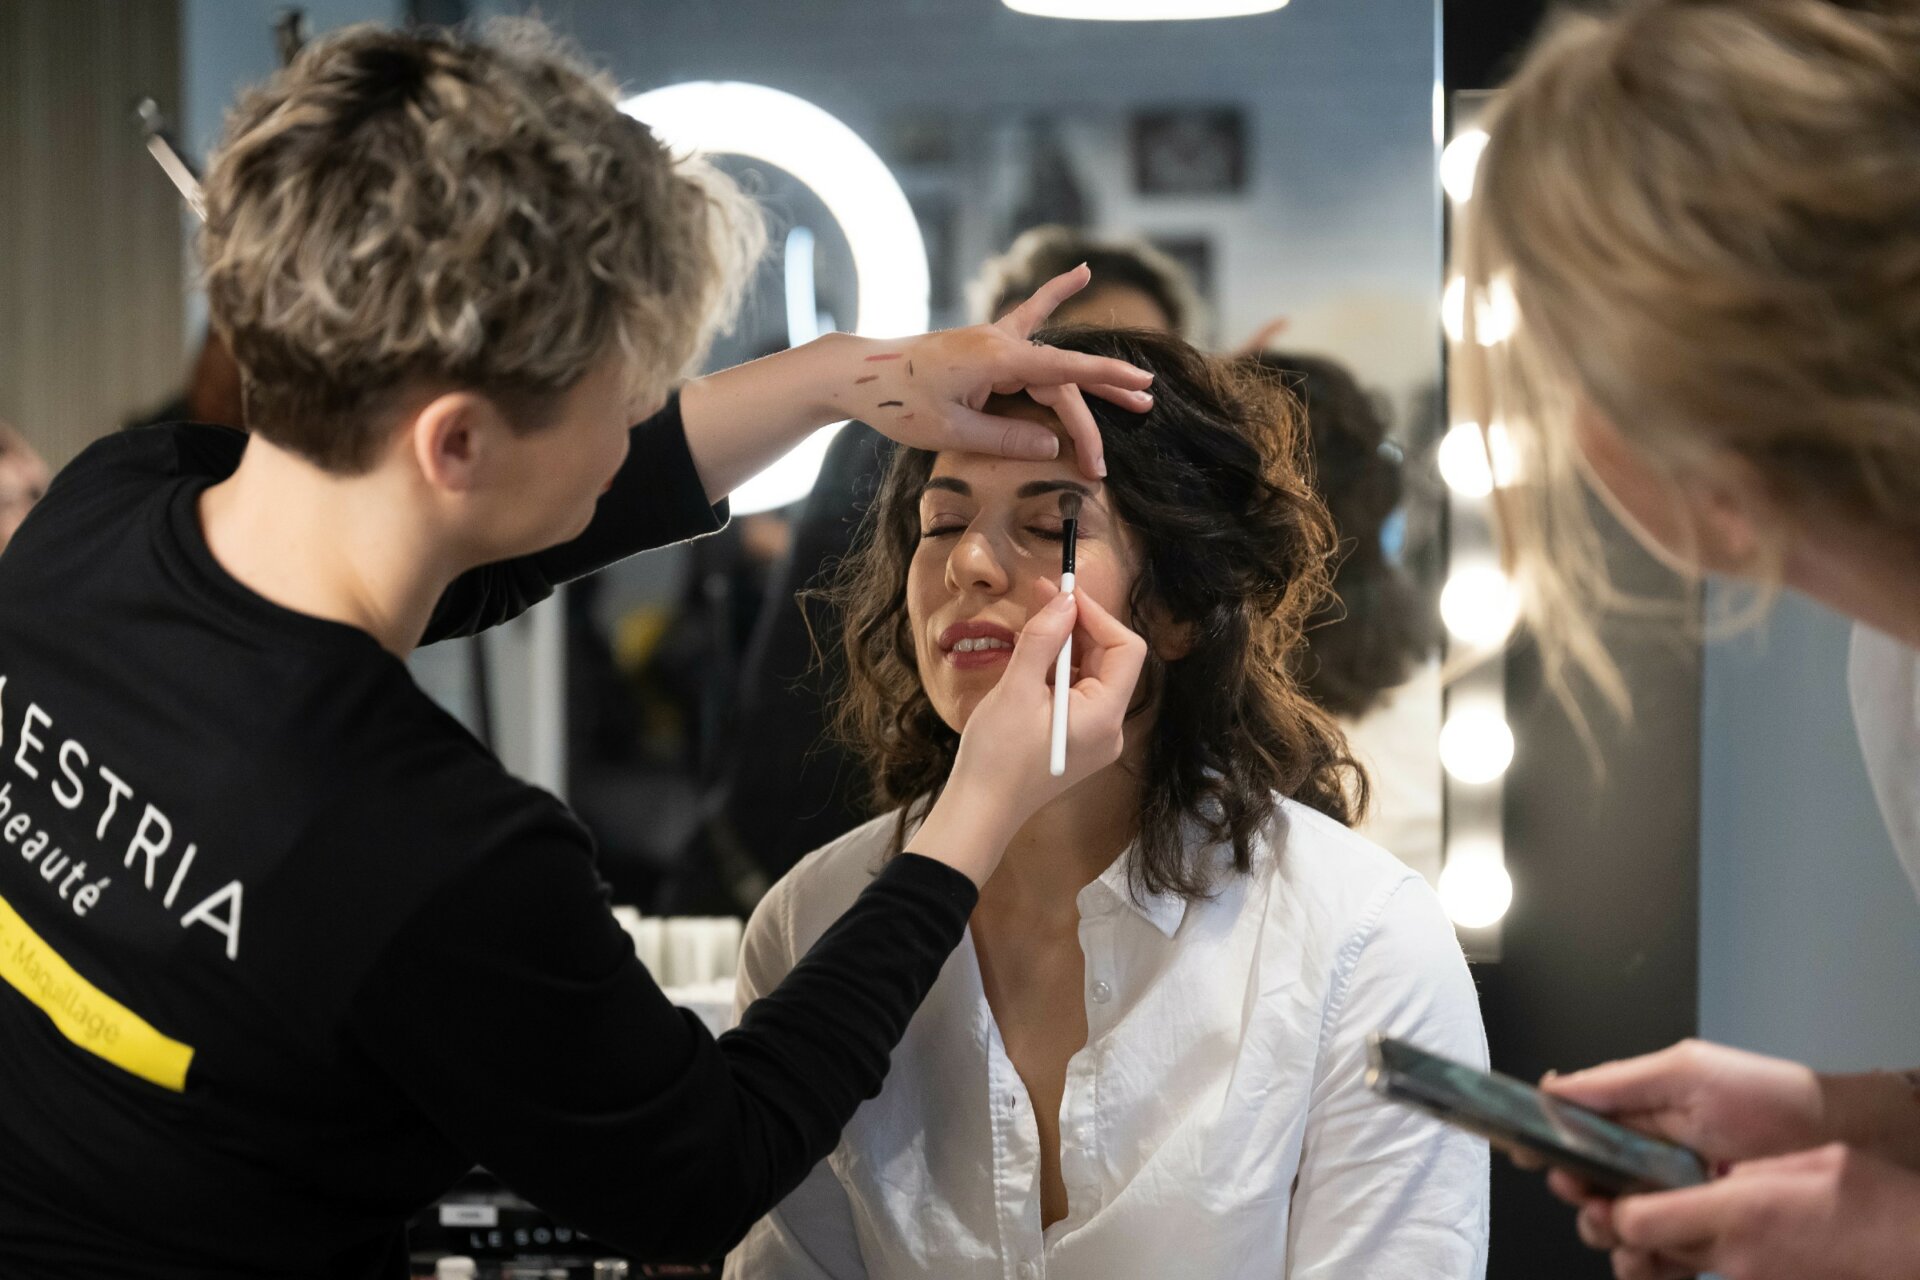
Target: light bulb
x,y
1476,746
1143,10
1474,463
1496,313
859,191
1453,310
1463,461
1460,161
1480,604
1475,888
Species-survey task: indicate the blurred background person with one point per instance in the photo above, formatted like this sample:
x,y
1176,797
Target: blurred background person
x,y
658,714
1371,656
1135,286
211,393
23,479
782,782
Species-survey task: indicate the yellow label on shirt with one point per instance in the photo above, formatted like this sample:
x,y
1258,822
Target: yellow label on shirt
x,y
82,1012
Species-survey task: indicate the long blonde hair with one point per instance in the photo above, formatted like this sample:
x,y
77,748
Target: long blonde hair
x,y
1708,215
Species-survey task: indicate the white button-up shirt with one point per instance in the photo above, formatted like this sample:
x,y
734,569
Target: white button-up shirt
x,y
1217,1123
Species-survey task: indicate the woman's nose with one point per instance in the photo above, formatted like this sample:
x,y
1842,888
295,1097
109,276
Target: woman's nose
x,y
976,565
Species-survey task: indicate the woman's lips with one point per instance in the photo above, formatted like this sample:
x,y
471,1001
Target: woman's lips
x,y
962,660
970,646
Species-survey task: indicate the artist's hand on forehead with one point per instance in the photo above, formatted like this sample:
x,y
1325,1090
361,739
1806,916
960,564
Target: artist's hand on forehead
x,y
930,392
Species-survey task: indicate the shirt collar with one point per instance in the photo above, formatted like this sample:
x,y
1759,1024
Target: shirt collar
x,y
1164,911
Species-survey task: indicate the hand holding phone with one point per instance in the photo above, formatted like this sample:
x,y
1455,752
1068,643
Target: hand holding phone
x,y
1515,1115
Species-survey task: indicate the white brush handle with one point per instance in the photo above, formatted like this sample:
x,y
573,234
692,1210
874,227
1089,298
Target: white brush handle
x,y
1062,685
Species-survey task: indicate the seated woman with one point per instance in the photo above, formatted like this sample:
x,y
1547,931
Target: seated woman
x,y
1148,1058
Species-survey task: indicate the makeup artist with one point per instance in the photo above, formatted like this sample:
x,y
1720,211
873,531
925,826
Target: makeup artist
x,y
284,950
1709,213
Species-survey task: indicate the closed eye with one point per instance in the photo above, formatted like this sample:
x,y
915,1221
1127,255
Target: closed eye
x,y
941,531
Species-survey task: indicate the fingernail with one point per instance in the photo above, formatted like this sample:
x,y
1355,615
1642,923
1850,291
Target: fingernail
x,y
1100,465
1059,602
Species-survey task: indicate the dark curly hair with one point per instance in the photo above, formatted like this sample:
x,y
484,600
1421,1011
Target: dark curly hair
x,y
1234,544
1367,639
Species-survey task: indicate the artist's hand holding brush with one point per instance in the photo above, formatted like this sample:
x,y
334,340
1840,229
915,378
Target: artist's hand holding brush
x,y
1001,776
929,392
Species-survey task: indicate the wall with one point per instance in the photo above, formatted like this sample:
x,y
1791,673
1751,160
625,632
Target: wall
x,y
89,281
1809,930
1339,225
227,45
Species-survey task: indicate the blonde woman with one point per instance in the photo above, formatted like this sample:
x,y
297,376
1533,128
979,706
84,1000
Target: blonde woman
x,y
283,951
1708,213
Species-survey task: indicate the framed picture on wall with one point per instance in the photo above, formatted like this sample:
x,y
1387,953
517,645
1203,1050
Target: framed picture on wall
x,y
1186,151
922,139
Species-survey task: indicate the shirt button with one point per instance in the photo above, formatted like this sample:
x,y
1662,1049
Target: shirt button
x,y
1102,993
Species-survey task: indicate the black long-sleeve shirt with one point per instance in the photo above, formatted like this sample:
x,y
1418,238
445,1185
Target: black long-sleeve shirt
x,y
284,951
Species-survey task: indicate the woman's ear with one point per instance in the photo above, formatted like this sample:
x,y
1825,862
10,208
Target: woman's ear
x,y
452,437
1705,518
1729,503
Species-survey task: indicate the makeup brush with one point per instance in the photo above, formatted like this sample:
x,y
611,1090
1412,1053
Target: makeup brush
x,y
1063,668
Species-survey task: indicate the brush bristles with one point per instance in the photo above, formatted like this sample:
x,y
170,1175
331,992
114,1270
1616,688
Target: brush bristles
x,y
1070,529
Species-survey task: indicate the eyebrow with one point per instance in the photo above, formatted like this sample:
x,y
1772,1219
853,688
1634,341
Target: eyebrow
x,y
1031,489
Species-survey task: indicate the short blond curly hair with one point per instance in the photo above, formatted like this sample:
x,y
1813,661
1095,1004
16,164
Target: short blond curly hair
x,y
467,209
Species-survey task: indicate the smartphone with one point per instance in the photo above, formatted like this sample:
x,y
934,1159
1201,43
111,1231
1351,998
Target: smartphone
x,y
1504,1111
